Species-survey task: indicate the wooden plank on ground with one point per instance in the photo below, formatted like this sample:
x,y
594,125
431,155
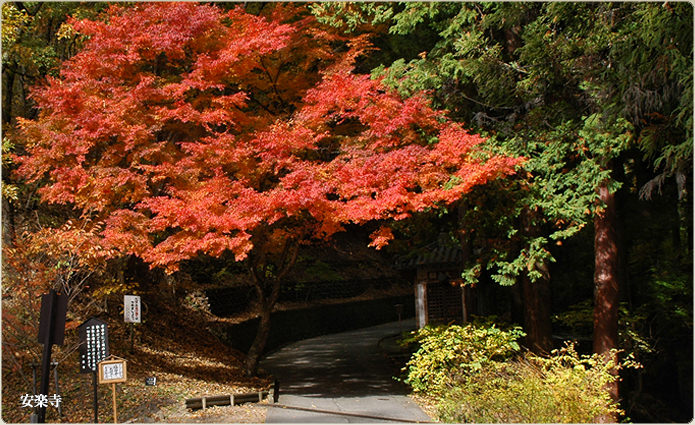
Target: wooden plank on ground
x,y
225,400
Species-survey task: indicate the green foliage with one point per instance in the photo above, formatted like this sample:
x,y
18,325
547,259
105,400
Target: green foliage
x,y
570,86
577,319
672,291
477,373
632,326
447,352
564,388
315,269
36,37
350,16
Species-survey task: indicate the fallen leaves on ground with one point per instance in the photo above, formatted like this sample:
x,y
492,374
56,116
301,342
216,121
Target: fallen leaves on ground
x,y
173,345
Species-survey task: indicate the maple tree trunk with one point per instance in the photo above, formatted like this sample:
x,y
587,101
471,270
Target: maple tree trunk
x,y
268,291
259,342
606,284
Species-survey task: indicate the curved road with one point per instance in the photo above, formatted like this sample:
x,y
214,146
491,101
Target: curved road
x,y
341,378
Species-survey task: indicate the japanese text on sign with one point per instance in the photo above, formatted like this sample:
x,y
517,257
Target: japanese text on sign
x,y
40,400
94,344
131,308
113,371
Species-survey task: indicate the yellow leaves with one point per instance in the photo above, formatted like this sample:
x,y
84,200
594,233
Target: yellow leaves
x,y
115,288
13,20
66,31
10,192
67,255
81,244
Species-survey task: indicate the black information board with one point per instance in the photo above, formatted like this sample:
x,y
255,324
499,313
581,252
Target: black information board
x,y
94,344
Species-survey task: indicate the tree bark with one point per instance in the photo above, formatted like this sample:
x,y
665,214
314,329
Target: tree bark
x,y
8,228
537,301
259,342
517,304
8,88
606,283
268,291
8,225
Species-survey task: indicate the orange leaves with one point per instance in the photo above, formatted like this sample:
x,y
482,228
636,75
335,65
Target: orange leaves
x,y
81,242
126,230
283,141
63,256
184,245
454,142
147,30
381,237
195,132
247,38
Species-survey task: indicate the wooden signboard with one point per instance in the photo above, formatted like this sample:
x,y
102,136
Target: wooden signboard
x,y
112,371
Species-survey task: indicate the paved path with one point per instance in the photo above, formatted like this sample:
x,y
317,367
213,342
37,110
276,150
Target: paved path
x,y
346,374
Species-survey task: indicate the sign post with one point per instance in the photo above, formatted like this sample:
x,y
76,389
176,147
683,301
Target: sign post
x,y
113,370
94,347
51,331
132,313
131,308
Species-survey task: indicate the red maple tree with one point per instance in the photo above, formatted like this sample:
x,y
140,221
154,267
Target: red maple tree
x,y
189,131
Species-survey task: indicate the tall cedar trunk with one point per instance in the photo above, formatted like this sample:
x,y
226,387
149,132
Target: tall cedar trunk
x,y
517,304
606,283
465,237
537,313
536,300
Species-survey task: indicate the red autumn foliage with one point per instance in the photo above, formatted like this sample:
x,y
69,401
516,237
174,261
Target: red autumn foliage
x,y
191,131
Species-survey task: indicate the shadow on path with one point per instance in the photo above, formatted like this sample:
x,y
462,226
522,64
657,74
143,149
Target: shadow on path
x,y
345,372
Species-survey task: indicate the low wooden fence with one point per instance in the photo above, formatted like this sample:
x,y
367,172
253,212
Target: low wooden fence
x,y
234,399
